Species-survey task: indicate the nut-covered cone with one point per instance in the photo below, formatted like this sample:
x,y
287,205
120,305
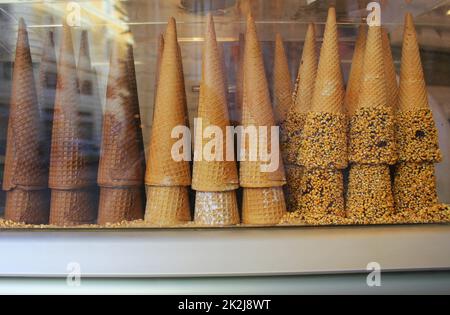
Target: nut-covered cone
x,y
73,207
68,162
28,206
120,204
263,205
354,80
282,85
412,89
216,208
389,72
167,206
121,159
329,91
257,113
170,112
25,165
214,172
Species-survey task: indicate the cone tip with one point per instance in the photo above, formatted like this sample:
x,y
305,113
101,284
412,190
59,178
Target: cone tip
x,y
22,24
171,30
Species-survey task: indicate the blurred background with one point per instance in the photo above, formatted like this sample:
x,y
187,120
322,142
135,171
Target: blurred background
x,y
141,21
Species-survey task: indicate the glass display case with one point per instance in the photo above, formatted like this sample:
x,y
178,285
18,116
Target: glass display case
x,y
190,138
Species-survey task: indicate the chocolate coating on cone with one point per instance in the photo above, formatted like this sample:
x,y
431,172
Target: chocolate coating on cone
x,y
170,112
329,92
390,74
216,208
257,112
167,206
120,204
121,160
263,205
68,163
282,86
73,207
25,165
412,89
354,80
218,174
28,206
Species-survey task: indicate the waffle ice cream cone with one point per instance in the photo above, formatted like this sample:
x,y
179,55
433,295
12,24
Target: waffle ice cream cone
x,y
212,172
302,103
412,90
68,163
28,206
170,112
372,139
414,186
390,74
122,158
239,79
159,52
369,193
263,206
354,80
73,207
167,206
282,86
216,208
119,204
257,113
25,165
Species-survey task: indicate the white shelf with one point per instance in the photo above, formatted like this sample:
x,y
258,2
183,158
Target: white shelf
x,y
224,252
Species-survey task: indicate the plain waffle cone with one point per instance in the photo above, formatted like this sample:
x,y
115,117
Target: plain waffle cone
x,y
68,165
25,165
218,174
282,86
170,112
306,73
257,112
240,78
73,207
159,52
354,80
329,92
263,205
412,89
28,206
120,204
389,72
167,206
373,83
216,208
122,158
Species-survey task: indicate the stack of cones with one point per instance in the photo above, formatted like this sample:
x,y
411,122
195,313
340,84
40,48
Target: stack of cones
x,y
214,178
372,142
74,194
297,115
263,199
417,137
25,174
121,168
323,149
167,178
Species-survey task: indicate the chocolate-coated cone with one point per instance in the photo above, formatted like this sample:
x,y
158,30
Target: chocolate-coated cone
x,y
167,206
329,92
282,86
28,206
84,67
373,83
120,204
73,207
25,165
389,72
216,208
68,165
307,72
212,174
354,80
263,205
170,112
257,112
121,160
412,89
